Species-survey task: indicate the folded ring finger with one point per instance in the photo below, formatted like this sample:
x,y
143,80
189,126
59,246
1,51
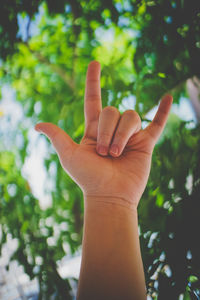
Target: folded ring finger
x,y
108,120
129,124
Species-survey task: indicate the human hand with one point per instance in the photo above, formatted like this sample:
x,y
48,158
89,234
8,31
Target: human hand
x,y
97,170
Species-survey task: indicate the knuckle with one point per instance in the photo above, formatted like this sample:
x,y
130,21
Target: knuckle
x,y
104,138
132,114
105,134
93,97
120,135
119,139
55,134
110,110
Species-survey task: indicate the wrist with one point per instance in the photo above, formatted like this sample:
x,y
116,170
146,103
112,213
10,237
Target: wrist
x,y
109,203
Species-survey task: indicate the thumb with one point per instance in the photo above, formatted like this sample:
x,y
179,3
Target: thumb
x,y
61,141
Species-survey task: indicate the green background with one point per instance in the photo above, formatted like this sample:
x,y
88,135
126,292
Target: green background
x,y
146,48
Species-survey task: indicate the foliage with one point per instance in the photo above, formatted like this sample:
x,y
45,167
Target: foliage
x,y
77,10
146,48
168,35
169,215
168,46
22,219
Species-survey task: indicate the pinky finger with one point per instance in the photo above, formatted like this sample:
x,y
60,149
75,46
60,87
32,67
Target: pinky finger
x,y
156,127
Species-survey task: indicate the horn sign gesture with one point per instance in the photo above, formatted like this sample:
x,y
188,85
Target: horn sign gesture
x,y
114,156
111,165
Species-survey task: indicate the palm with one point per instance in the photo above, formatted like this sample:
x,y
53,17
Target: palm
x,y
124,176
121,175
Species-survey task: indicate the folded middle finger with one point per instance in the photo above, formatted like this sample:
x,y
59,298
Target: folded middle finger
x,y
108,120
129,124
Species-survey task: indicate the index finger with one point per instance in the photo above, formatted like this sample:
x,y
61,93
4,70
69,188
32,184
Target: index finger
x,y
92,103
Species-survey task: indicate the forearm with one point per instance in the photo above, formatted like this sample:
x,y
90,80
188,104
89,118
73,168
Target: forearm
x,y
111,265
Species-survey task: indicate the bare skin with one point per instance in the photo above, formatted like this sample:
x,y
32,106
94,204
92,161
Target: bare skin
x,y
108,177
103,174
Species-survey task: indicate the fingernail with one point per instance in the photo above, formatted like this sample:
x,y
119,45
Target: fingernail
x,y
114,149
102,150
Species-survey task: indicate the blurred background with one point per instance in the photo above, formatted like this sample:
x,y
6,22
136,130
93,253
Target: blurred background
x,y
146,49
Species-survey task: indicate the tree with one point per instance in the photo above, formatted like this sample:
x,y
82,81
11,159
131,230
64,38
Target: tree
x,y
171,247
22,218
167,29
155,49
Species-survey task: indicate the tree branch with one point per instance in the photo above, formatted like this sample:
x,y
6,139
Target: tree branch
x,y
55,68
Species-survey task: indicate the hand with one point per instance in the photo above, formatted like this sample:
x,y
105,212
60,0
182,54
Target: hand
x,y
92,165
